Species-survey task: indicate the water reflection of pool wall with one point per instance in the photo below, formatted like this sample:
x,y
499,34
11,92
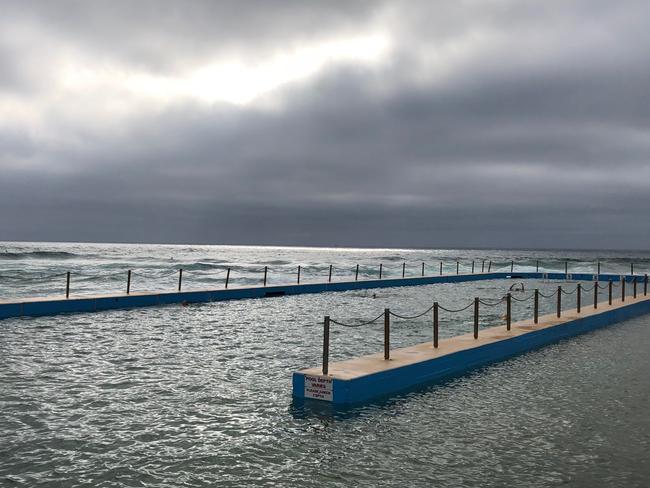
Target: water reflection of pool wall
x,y
366,378
95,303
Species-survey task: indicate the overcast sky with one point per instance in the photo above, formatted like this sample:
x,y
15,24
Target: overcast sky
x,y
487,123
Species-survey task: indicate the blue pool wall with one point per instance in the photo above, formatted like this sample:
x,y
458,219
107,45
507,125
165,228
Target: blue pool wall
x,y
54,306
407,378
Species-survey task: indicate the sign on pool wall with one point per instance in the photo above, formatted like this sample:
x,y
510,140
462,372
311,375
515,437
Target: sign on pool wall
x,y
318,388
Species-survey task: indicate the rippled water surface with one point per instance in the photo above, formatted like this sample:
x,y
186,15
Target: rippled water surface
x,y
200,395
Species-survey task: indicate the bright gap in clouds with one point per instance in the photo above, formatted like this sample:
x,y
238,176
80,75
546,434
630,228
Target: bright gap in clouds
x,y
239,83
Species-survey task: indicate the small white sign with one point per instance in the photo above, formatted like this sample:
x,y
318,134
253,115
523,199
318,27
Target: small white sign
x,y
318,388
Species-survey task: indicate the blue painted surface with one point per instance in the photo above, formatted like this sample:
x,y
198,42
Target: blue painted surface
x,y
49,306
405,378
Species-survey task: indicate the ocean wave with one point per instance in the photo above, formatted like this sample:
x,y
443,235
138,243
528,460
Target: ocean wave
x,y
391,258
38,255
198,266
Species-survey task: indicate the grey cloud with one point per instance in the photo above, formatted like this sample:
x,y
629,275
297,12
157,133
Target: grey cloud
x,y
164,35
538,138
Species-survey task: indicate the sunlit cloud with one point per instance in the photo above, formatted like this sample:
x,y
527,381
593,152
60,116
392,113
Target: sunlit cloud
x,y
235,81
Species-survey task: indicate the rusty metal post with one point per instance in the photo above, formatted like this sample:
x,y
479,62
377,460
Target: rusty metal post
x,y
356,274
440,268
537,267
489,266
598,269
326,344
512,266
128,282
386,334
536,307
265,273
622,288
457,267
227,277
634,287
632,269
610,287
67,284
645,285
483,266
298,274
596,294
422,269
381,268
508,311
403,269
472,267
578,297
476,317
180,278
435,324
559,301
329,280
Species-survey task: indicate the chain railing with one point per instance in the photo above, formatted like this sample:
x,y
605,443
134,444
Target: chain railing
x,y
490,302
264,273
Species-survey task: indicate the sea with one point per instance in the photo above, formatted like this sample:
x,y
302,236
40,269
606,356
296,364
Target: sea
x,y
200,394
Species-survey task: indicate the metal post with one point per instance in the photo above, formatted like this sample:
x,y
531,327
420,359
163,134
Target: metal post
x,y
596,295
489,266
610,287
457,267
508,311
298,274
67,285
634,287
128,282
381,266
356,274
536,305
483,266
578,297
422,269
386,334
472,267
537,266
566,267
403,269
598,269
622,288
645,285
632,268
326,344
476,318
265,272
441,268
512,266
227,277
329,280
435,324
180,278
559,301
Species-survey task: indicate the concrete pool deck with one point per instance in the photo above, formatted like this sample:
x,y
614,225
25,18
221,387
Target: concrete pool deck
x,y
365,378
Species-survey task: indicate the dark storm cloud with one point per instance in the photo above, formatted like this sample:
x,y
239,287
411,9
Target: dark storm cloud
x,y
491,124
